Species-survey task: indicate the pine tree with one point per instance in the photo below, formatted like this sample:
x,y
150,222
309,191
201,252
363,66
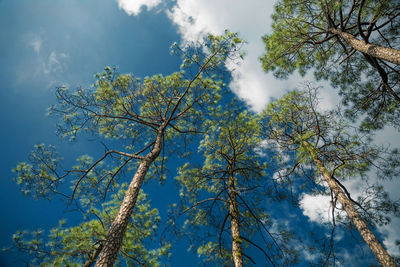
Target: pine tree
x,y
80,245
325,143
143,115
224,199
353,44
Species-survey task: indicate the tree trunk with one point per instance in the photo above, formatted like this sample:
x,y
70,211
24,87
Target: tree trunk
x,y
385,53
380,253
117,229
92,258
237,253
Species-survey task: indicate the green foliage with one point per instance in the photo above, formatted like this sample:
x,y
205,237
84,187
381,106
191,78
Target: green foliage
x,y
212,253
126,108
301,40
123,107
73,246
302,134
232,173
38,177
229,141
137,118
130,112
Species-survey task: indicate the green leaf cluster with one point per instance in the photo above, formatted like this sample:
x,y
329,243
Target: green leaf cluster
x,y
299,129
302,40
38,178
232,172
75,245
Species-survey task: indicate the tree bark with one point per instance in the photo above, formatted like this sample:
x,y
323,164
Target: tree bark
x,y
237,253
385,53
117,229
373,243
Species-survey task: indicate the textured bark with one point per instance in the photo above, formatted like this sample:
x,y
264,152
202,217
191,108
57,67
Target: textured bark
x,y
117,229
376,51
237,252
373,243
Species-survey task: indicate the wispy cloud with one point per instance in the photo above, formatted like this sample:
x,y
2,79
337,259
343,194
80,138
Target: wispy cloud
x,y
54,63
35,40
50,61
36,44
133,7
41,63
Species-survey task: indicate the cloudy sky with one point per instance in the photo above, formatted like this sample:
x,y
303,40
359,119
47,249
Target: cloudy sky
x,y
48,43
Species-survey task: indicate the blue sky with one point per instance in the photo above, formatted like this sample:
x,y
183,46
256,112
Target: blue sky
x,y
48,43
51,43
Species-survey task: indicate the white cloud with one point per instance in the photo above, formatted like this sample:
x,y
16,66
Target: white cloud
x,y
54,63
316,208
391,231
310,256
133,7
42,62
36,44
251,19
392,235
35,40
50,61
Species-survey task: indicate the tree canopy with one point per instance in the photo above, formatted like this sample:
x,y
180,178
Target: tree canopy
x,y
143,115
224,199
339,41
236,164
335,152
80,245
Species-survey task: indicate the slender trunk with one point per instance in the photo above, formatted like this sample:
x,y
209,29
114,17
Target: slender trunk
x,y
385,53
92,258
117,229
380,253
237,253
